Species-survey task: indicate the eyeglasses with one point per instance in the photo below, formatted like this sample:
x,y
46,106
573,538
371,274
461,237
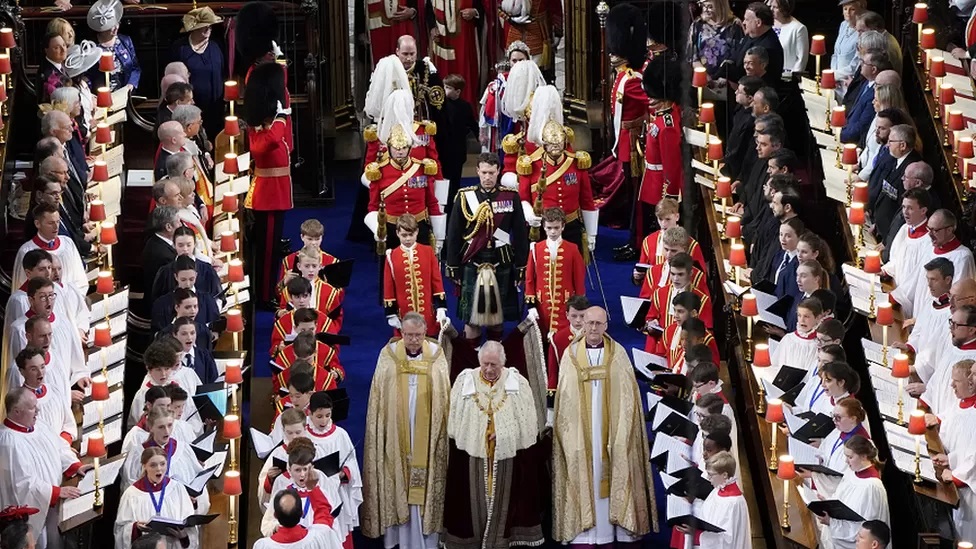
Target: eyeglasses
x,y
953,324
46,297
838,417
595,323
935,230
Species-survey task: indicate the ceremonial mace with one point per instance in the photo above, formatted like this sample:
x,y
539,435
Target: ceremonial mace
x,y
602,11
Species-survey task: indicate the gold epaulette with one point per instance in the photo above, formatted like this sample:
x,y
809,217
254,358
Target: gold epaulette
x,y
570,135
524,165
583,160
369,133
510,144
373,172
430,127
430,167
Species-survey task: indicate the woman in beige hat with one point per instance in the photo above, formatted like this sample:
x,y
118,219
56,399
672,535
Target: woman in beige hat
x,y
104,17
205,60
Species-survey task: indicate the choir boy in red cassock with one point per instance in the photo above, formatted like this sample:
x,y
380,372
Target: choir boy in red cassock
x,y
294,322
316,491
674,241
412,279
554,273
653,249
306,348
301,386
324,297
683,335
559,341
661,312
311,231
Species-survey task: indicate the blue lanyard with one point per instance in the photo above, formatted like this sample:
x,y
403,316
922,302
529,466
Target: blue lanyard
x,y
158,506
842,440
817,393
308,502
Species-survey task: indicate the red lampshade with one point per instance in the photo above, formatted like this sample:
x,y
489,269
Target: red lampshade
x,y
737,255
235,322
916,422
103,134
861,193
100,171
965,147
937,67
106,63
749,305
228,243
920,14
235,270
103,335
232,483
885,314
230,163
231,126
232,427
760,355
699,78
928,39
233,373
849,155
231,91
818,45
108,236
774,411
786,469
3,93
229,203
715,150
99,388
838,117
827,80
872,262
707,115
96,211
733,227
956,122
5,67
96,446
723,187
7,39
899,367
104,97
948,94
106,283
856,214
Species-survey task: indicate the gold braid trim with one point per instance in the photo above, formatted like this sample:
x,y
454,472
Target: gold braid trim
x,y
482,217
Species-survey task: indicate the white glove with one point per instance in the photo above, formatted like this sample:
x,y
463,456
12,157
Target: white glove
x,y
438,245
591,241
529,213
442,317
283,110
533,314
534,221
393,321
276,50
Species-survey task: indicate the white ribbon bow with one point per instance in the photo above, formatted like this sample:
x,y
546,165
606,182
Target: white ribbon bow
x,y
105,13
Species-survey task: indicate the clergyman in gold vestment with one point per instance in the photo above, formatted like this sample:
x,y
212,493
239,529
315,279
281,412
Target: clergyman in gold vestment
x,y
405,458
602,489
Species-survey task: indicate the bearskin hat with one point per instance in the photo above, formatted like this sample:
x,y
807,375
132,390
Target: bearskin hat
x,y
257,27
662,79
627,34
265,89
666,25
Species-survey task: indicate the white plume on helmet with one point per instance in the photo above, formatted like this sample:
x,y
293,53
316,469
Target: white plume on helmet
x,y
546,105
523,80
397,109
388,76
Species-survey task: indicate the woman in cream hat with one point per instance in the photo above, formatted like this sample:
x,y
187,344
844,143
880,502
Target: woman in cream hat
x,y
81,60
104,17
205,60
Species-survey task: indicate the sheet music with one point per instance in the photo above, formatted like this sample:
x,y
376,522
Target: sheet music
x,y
677,462
120,98
652,400
117,117
899,437
667,443
71,508
793,422
234,300
702,167
803,453
113,433
873,351
643,359
704,181
772,391
667,480
905,461
734,289
763,302
115,166
694,137
860,288
631,306
262,443
679,507
108,472
216,462
117,325
106,306
112,354
239,186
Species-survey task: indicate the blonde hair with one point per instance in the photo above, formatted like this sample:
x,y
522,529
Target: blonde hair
x,y
150,453
722,462
723,12
676,236
667,206
310,252
890,96
292,416
157,412
61,26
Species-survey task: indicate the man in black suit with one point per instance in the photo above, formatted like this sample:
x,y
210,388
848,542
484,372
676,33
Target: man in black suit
x,y
757,24
740,138
159,250
785,205
58,125
750,191
886,185
171,140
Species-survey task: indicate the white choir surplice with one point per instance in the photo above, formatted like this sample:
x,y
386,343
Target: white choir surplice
x,y
264,486
54,411
831,453
188,380
182,465
907,258
727,509
138,434
136,505
930,336
866,497
18,305
962,261
33,464
815,398
938,391
336,439
956,433
316,536
796,350
328,486
75,303
603,531
67,362
73,268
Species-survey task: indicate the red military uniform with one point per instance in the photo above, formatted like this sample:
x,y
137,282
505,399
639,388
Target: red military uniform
x,y
328,371
545,16
664,173
514,145
284,331
281,405
271,187
290,262
660,308
456,49
403,190
289,132
376,151
567,185
551,281
629,112
412,283
670,347
383,30
326,299
658,277
559,342
652,250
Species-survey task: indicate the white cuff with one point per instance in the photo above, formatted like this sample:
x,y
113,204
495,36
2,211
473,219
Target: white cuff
x,y
372,222
364,181
510,180
591,221
441,191
438,224
529,212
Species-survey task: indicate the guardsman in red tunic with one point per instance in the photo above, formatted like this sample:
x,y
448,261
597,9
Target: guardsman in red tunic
x,y
660,314
320,355
559,341
538,23
388,20
554,273
292,323
674,241
412,280
664,173
400,185
523,80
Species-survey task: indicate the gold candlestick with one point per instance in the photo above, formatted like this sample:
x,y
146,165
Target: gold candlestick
x,y
785,523
773,462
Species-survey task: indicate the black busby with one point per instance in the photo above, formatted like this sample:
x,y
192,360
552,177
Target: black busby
x,y
667,24
257,27
627,34
662,79
264,90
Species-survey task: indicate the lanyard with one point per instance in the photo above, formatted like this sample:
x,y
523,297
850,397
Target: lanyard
x,y
158,506
817,393
841,440
308,502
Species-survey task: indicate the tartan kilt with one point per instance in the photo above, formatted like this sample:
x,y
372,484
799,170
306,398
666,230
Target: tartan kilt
x,y
505,275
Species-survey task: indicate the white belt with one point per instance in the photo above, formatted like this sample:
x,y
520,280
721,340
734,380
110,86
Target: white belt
x,y
655,167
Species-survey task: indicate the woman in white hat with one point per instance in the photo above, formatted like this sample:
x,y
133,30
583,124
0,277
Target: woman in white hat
x,y
103,18
205,61
78,64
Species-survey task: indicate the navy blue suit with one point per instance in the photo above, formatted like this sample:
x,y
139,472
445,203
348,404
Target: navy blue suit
x,y
204,337
859,116
207,280
203,364
786,284
163,313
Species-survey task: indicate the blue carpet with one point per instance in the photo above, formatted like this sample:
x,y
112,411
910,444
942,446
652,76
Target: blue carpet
x,y
365,323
